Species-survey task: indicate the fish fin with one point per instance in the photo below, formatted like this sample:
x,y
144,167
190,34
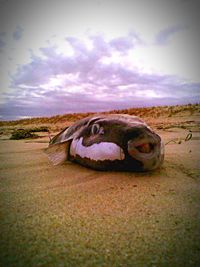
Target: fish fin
x,y
58,153
60,137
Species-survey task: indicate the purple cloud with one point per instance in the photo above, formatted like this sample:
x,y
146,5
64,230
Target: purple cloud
x,y
17,35
57,83
2,40
163,36
123,44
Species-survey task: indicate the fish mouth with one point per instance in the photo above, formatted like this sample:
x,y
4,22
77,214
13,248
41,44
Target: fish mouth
x,y
142,148
145,148
147,151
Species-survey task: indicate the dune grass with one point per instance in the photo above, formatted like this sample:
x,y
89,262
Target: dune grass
x,y
22,134
145,112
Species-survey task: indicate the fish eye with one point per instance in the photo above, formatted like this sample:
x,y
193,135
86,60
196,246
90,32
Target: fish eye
x,y
96,129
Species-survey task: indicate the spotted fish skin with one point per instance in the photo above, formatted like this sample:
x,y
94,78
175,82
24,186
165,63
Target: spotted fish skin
x,y
109,142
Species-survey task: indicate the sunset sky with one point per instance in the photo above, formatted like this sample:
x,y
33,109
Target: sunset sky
x,y
92,55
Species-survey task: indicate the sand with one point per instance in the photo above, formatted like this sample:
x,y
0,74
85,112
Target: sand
x,y
69,215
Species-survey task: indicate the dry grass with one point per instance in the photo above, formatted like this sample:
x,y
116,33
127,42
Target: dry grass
x,y
147,112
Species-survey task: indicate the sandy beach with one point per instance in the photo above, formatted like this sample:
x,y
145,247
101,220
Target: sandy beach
x,y
69,215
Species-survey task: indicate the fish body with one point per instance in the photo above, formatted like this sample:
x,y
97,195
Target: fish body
x,y
108,142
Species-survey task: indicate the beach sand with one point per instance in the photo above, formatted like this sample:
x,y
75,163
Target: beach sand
x,y
69,215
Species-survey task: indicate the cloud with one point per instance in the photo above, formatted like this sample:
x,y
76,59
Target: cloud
x,y
122,44
2,40
164,36
96,77
17,35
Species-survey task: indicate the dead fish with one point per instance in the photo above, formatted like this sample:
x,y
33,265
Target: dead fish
x,y
108,142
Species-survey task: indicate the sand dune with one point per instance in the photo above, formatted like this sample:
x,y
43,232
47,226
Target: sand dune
x,y
69,215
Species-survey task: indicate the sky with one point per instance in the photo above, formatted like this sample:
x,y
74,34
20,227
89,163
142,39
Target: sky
x,y
67,56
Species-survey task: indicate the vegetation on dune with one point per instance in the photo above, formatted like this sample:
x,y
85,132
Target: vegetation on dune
x,y
144,112
39,129
22,134
18,134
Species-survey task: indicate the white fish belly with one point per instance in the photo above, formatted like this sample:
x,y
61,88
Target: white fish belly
x,y
101,151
